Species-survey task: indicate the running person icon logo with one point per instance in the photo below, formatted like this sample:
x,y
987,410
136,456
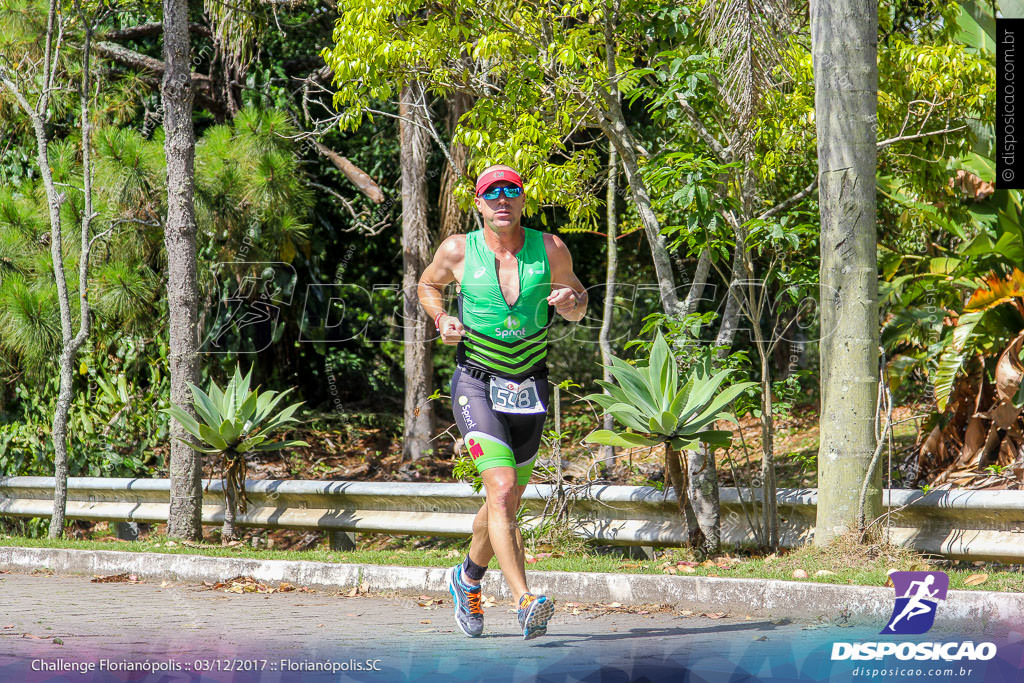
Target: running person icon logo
x,y
917,596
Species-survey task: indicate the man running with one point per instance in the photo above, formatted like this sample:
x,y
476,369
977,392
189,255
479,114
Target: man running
x,y
508,276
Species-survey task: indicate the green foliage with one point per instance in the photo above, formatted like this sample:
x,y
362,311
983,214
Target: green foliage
x,y
539,72
236,422
653,405
117,428
465,470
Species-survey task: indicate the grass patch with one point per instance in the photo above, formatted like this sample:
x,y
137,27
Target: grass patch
x,y
843,562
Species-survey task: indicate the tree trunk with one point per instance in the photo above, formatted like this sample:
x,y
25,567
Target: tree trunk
x,y
677,477
769,489
54,199
453,219
182,289
613,124
703,471
844,37
700,281
419,367
620,136
731,315
603,337
742,268
702,489
227,530
58,431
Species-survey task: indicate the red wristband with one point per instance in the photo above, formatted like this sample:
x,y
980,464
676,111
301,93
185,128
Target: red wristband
x,y
436,318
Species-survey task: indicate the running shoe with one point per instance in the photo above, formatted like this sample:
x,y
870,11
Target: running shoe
x,y
534,613
469,616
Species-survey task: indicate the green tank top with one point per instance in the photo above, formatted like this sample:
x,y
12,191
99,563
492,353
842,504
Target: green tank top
x,y
507,340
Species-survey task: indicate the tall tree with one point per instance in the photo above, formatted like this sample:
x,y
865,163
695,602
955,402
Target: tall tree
x,y
419,364
537,72
186,502
608,311
71,341
844,35
452,218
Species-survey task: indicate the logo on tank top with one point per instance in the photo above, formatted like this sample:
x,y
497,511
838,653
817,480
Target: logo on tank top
x,y
479,273
511,328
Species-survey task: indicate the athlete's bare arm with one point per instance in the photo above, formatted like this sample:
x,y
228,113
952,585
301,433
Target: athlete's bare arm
x,y
568,295
444,269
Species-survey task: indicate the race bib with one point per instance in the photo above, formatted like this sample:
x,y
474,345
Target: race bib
x,y
511,397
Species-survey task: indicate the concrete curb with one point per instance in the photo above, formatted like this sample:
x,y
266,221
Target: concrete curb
x,y
754,597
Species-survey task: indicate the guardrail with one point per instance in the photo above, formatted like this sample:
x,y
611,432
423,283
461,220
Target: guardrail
x,y
977,525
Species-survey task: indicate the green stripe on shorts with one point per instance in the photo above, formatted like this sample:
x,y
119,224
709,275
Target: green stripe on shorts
x,y
488,451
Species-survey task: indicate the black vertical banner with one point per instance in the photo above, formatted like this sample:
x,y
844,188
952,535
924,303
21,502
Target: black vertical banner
x,y
1009,119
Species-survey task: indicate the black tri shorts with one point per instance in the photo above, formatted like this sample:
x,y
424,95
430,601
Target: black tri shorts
x,y
494,438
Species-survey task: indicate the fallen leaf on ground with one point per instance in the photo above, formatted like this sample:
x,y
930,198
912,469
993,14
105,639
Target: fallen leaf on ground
x,y
824,572
975,579
354,592
246,584
799,574
424,621
713,615
116,578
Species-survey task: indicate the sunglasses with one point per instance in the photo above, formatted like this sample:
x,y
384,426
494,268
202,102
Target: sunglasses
x,y
510,191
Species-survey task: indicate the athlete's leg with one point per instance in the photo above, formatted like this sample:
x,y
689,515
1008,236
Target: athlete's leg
x,y
502,534
524,437
480,550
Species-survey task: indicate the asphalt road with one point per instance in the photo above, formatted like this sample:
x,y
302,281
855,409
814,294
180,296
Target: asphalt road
x,y
53,627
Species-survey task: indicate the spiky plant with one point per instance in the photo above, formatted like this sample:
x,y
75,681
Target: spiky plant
x,y
656,408
236,423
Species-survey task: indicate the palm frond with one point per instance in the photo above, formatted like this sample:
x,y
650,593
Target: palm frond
x,y
750,37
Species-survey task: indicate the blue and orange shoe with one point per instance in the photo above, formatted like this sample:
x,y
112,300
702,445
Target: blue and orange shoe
x,y
469,616
534,613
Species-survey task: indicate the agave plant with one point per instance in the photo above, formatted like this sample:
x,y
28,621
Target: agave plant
x,y
236,422
656,408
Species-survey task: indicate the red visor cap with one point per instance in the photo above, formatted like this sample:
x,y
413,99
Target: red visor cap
x,y
495,176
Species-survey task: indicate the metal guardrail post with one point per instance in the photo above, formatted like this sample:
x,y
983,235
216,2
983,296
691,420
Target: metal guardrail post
x,y
342,540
